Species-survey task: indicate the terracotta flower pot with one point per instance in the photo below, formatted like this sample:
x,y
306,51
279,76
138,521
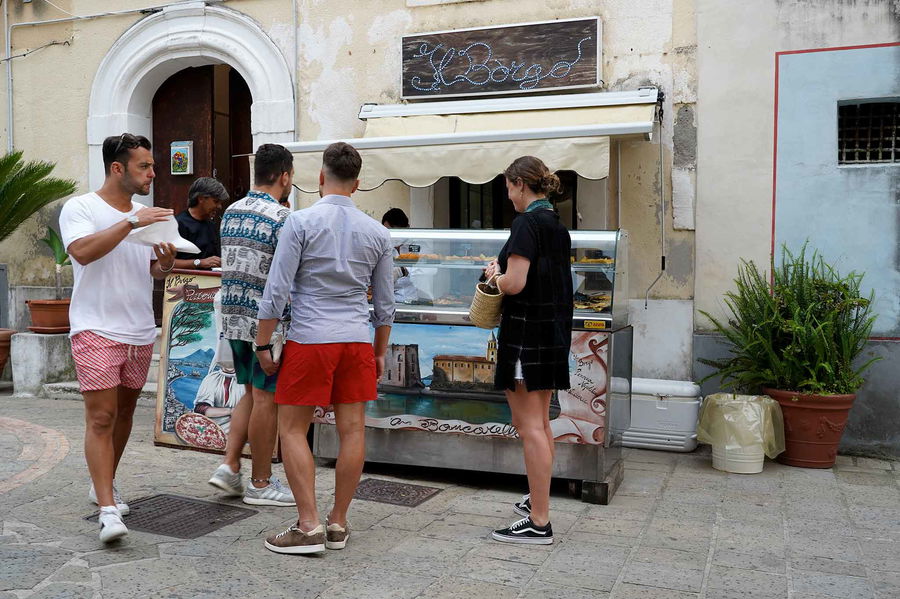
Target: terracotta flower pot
x,y
5,337
813,425
49,316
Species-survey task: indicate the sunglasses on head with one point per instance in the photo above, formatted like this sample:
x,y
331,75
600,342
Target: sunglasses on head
x,y
126,141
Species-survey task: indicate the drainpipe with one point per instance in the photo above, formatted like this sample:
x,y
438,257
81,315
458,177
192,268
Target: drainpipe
x,y
296,73
9,31
662,205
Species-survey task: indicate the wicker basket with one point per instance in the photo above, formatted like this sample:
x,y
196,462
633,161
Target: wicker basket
x,y
486,305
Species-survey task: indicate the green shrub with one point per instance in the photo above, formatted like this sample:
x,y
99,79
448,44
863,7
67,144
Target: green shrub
x,y
801,332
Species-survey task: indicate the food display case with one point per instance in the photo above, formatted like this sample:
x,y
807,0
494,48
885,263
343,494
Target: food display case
x,y
437,405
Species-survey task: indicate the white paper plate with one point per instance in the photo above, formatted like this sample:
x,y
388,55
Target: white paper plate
x,y
166,231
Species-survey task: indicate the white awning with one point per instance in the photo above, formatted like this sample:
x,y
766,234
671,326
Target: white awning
x,y
476,140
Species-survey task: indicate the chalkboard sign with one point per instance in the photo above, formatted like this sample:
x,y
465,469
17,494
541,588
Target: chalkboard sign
x,y
508,59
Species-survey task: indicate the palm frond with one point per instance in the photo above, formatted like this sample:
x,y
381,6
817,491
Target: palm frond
x,y
25,188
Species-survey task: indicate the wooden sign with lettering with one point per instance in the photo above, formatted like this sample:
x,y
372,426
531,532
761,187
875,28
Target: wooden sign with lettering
x,y
508,59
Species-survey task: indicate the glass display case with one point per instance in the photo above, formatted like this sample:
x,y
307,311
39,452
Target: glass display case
x,y
436,271
437,403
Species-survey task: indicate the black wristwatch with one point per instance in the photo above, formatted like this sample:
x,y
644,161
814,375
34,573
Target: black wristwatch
x,y
259,348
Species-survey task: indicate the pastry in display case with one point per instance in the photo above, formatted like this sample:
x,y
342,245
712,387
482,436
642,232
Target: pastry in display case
x,y
436,270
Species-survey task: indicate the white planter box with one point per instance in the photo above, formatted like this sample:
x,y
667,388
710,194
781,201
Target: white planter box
x,y
663,415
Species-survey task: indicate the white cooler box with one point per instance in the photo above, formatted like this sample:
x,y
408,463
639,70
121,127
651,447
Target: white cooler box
x,y
663,415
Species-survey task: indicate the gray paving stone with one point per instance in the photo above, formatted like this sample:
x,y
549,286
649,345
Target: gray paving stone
x,y
873,463
700,514
535,555
413,521
673,557
121,554
454,587
583,565
375,582
876,521
643,484
832,585
59,590
598,539
834,547
677,534
886,497
881,555
79,574
887,584
663,575
811,527
638,591
200,547
736,582
614,527
144,578
865,479
746,561
495,571
26,565
542,590
456,531
826,565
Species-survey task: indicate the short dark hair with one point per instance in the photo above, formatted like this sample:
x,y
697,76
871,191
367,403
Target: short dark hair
x,y
206,186
396,218
270,162
342,161
116,148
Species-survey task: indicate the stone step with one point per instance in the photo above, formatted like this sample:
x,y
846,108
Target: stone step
x,y
153,375
69,390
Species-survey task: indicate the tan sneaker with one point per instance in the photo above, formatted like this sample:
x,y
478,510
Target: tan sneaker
x,y
295,541
336,535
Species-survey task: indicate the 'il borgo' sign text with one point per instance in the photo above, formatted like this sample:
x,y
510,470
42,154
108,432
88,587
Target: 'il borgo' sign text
x,y
502,60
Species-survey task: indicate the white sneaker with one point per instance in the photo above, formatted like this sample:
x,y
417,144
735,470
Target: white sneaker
x,y
111,525
227,480
274,493
120,503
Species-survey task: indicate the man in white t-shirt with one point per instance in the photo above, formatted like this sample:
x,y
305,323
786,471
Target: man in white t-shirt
x,y
111,313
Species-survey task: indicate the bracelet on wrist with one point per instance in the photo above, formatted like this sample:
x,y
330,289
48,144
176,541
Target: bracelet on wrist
x,y
161,269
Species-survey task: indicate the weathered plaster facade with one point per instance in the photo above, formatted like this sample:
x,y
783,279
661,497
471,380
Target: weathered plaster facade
x,y
345,53
736,118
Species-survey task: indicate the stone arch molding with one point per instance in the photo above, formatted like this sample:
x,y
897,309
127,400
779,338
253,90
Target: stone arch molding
x,y
187,34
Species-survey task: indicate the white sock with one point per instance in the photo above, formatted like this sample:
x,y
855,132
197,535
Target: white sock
x,y
230,471
109,509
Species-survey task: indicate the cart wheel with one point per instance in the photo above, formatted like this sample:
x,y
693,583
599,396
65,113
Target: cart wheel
x,y
575,488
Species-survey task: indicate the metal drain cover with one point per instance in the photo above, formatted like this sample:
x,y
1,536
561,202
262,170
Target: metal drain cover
x,y
181,517
386,491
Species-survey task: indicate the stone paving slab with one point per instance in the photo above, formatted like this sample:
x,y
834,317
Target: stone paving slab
x,y
677,529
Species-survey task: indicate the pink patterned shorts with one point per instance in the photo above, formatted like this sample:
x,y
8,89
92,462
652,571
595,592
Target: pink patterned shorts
x,y
102,363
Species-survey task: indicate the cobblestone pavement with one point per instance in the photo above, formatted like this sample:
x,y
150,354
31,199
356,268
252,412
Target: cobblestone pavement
x,y
676,529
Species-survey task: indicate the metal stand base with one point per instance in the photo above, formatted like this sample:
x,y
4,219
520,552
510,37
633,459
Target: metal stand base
x,y
597,470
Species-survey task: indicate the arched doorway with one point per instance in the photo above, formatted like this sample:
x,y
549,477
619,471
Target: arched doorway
x,y
184,35
208,106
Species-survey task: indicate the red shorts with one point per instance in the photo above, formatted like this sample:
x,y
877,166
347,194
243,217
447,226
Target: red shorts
x,y
323,374
102,363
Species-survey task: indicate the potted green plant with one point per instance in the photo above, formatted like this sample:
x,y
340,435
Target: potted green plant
x,y
52,316
797,337
25,188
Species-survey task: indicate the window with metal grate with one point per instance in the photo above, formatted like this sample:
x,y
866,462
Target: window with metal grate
x,y
869,132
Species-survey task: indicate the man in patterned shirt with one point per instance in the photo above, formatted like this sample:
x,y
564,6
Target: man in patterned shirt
x,y
250,229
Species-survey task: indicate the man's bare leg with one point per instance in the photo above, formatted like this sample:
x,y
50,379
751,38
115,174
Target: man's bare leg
x,y
350,419
126,403
293,422
237,430
261,433
100,415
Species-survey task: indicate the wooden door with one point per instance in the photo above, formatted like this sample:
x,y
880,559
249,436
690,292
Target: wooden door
x,y
182,111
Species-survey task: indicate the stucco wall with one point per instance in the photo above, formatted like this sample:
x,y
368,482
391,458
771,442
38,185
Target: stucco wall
x,y
735,111
348,54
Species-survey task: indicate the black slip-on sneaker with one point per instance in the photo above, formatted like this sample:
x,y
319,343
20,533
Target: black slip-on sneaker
x,y
523,508
525,531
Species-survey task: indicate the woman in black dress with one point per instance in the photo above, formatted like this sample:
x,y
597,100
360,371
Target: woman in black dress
x,y
535,333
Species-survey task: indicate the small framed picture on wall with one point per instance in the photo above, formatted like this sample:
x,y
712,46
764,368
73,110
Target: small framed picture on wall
x,y
182,157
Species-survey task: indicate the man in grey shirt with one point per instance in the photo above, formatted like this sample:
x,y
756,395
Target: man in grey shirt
x,y
327,257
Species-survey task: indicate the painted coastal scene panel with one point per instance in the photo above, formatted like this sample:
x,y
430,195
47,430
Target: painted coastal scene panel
x,y
197,392
440,379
